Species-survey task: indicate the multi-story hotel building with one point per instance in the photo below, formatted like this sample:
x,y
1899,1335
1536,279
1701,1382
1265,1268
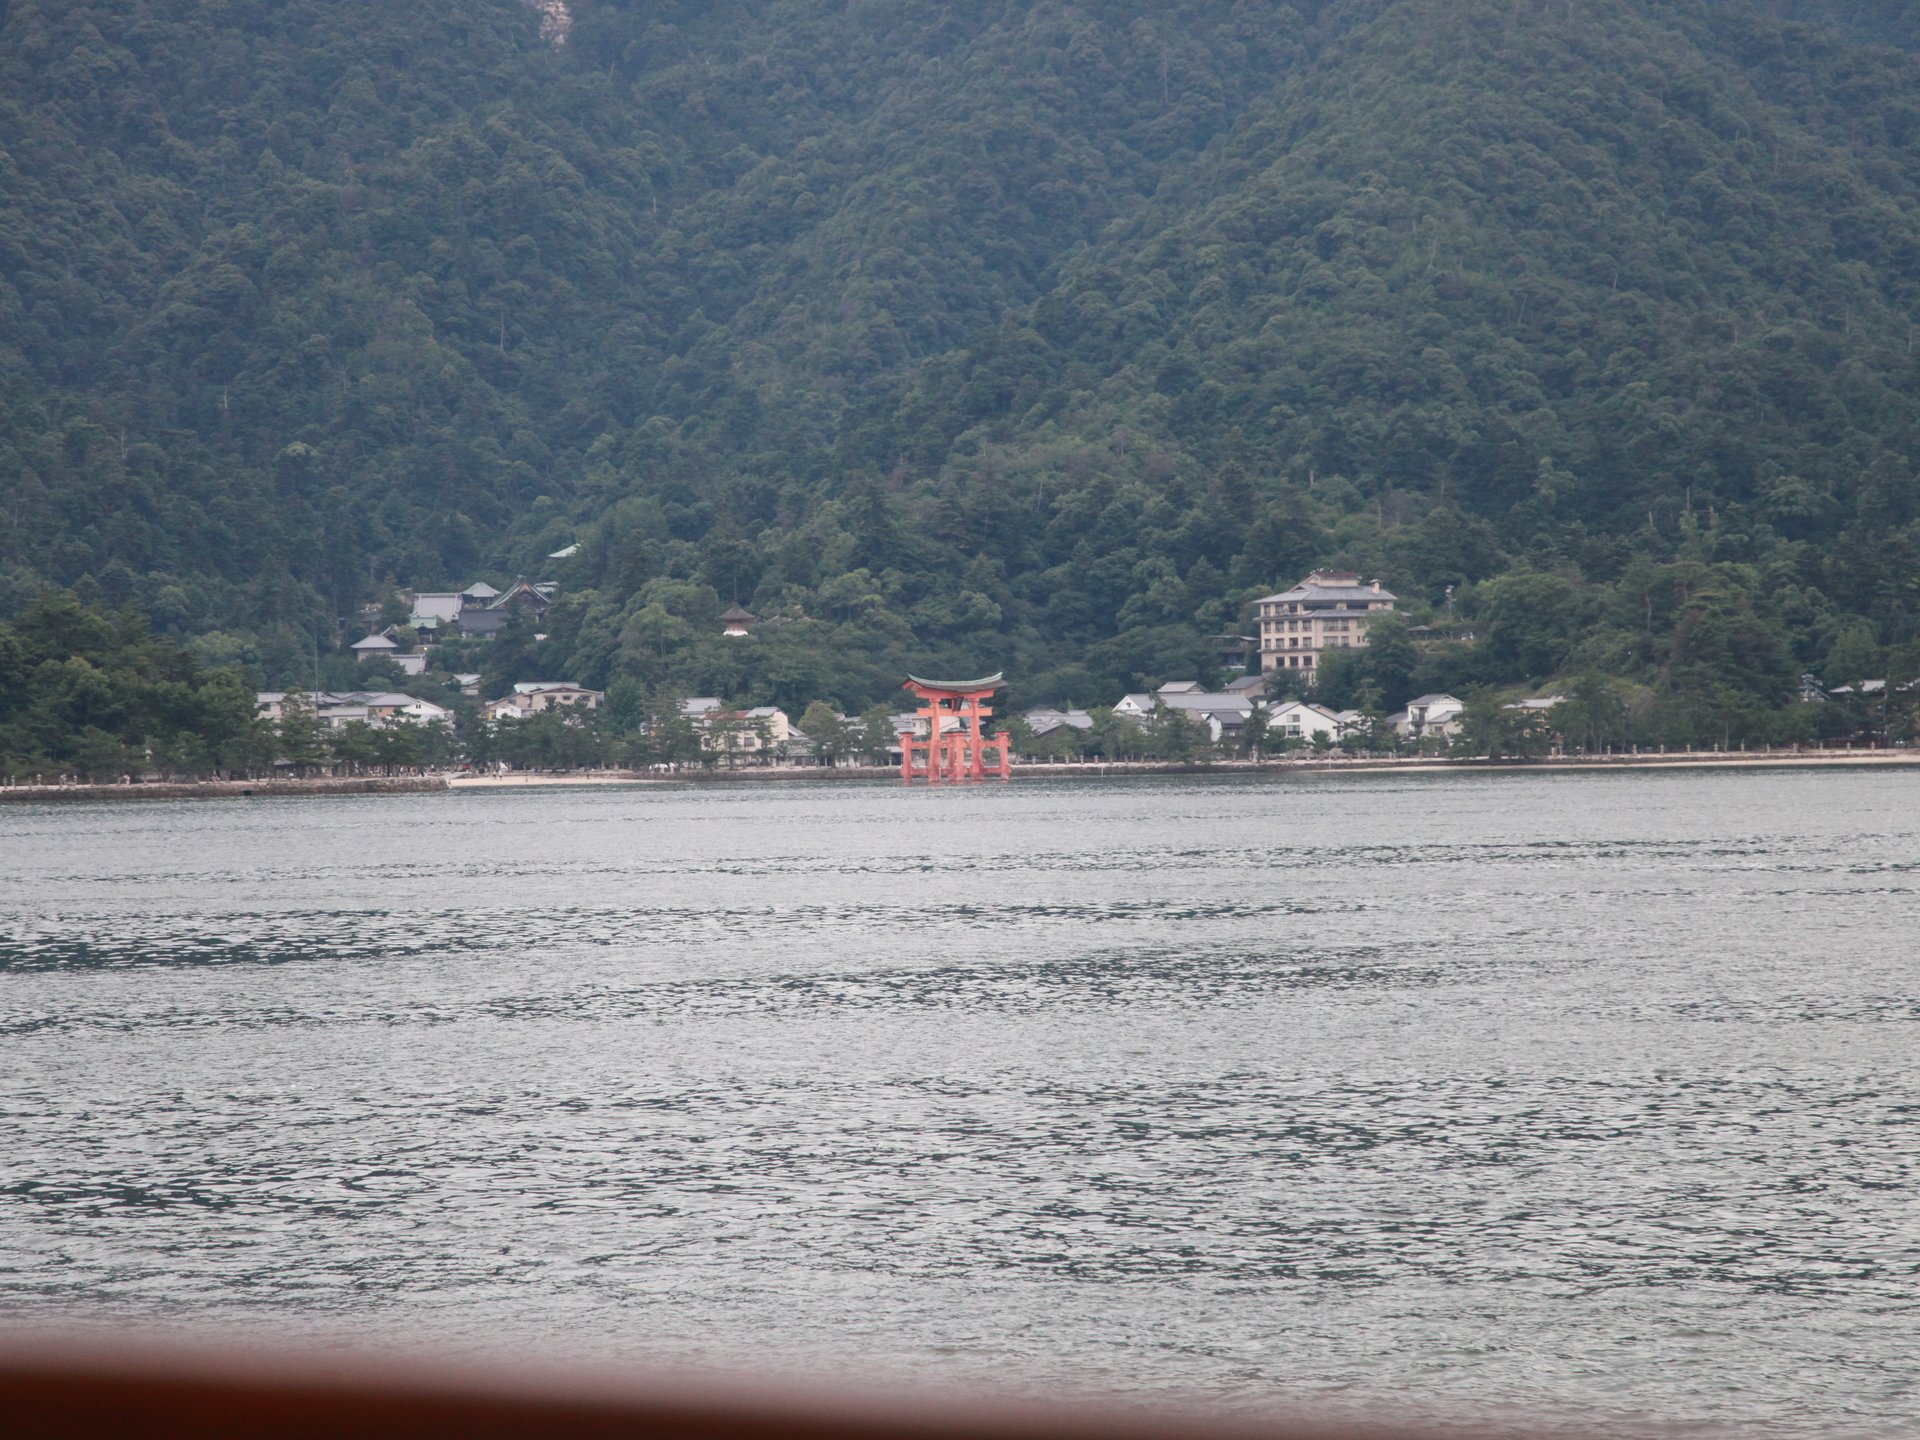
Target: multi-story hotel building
x,y
1329,610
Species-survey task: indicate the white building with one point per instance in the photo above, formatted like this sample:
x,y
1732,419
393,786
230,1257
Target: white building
x,y
1431,717
534,696
767,727
762,730
1330,610
425,712
1299,720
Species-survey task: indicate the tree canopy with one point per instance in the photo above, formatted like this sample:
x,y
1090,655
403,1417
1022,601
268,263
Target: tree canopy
x,y
1038,335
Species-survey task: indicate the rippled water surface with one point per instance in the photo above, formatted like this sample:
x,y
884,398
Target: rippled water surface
x,y
1594,1096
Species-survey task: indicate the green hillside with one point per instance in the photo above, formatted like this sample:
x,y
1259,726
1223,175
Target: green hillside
x,y
1041,335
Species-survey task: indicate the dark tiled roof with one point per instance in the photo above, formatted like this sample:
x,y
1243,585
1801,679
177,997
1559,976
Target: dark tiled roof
x,y
994,681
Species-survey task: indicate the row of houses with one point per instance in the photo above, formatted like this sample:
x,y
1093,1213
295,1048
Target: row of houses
x,y
336,708
767,732
1812,691
379,708
1226,714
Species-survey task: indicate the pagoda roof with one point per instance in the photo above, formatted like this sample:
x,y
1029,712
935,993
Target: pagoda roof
x,y
521,586
736,613
995,681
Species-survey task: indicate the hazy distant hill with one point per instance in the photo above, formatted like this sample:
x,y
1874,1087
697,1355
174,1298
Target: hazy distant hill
x,y
1040,334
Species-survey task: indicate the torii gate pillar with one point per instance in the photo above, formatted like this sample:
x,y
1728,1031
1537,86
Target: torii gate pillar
x,y
956,743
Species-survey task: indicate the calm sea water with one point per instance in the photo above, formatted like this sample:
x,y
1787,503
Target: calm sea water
x,y
1595,1097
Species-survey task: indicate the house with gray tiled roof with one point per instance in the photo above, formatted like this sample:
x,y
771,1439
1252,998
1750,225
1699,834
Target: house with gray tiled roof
x,y
1435,716
334,708
485,611
1045,722
433,609
1224,713
530,697
1185,695
1301,720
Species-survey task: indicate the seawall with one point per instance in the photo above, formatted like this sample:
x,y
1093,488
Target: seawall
x,y
1292,765
1080,770
228,789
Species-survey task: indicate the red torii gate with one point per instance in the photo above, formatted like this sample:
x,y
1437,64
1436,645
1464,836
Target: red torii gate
x,y
959,753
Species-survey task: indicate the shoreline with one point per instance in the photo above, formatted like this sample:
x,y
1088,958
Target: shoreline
x,y
1089,770
1103,769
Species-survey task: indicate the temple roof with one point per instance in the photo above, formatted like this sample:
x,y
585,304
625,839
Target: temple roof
x,y
995,681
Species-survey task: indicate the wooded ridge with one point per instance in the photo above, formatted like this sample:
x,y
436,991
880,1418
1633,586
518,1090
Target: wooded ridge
x,y
1041,336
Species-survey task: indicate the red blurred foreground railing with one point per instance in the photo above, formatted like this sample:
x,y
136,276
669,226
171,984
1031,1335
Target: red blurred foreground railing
x,y
53,1393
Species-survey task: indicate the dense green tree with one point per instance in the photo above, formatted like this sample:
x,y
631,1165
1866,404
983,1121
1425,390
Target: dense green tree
x,y
1116,737
513,657
1593,715
1488,728
1855,656
1254,734
1530,624
83,691
99,755
827,732
355,745
1175,735
301,740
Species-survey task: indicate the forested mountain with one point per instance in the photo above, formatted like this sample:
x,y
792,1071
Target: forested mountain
x,y
1032,334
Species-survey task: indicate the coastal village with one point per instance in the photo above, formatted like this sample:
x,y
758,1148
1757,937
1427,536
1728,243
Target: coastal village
x,y
1327,612
1265,710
